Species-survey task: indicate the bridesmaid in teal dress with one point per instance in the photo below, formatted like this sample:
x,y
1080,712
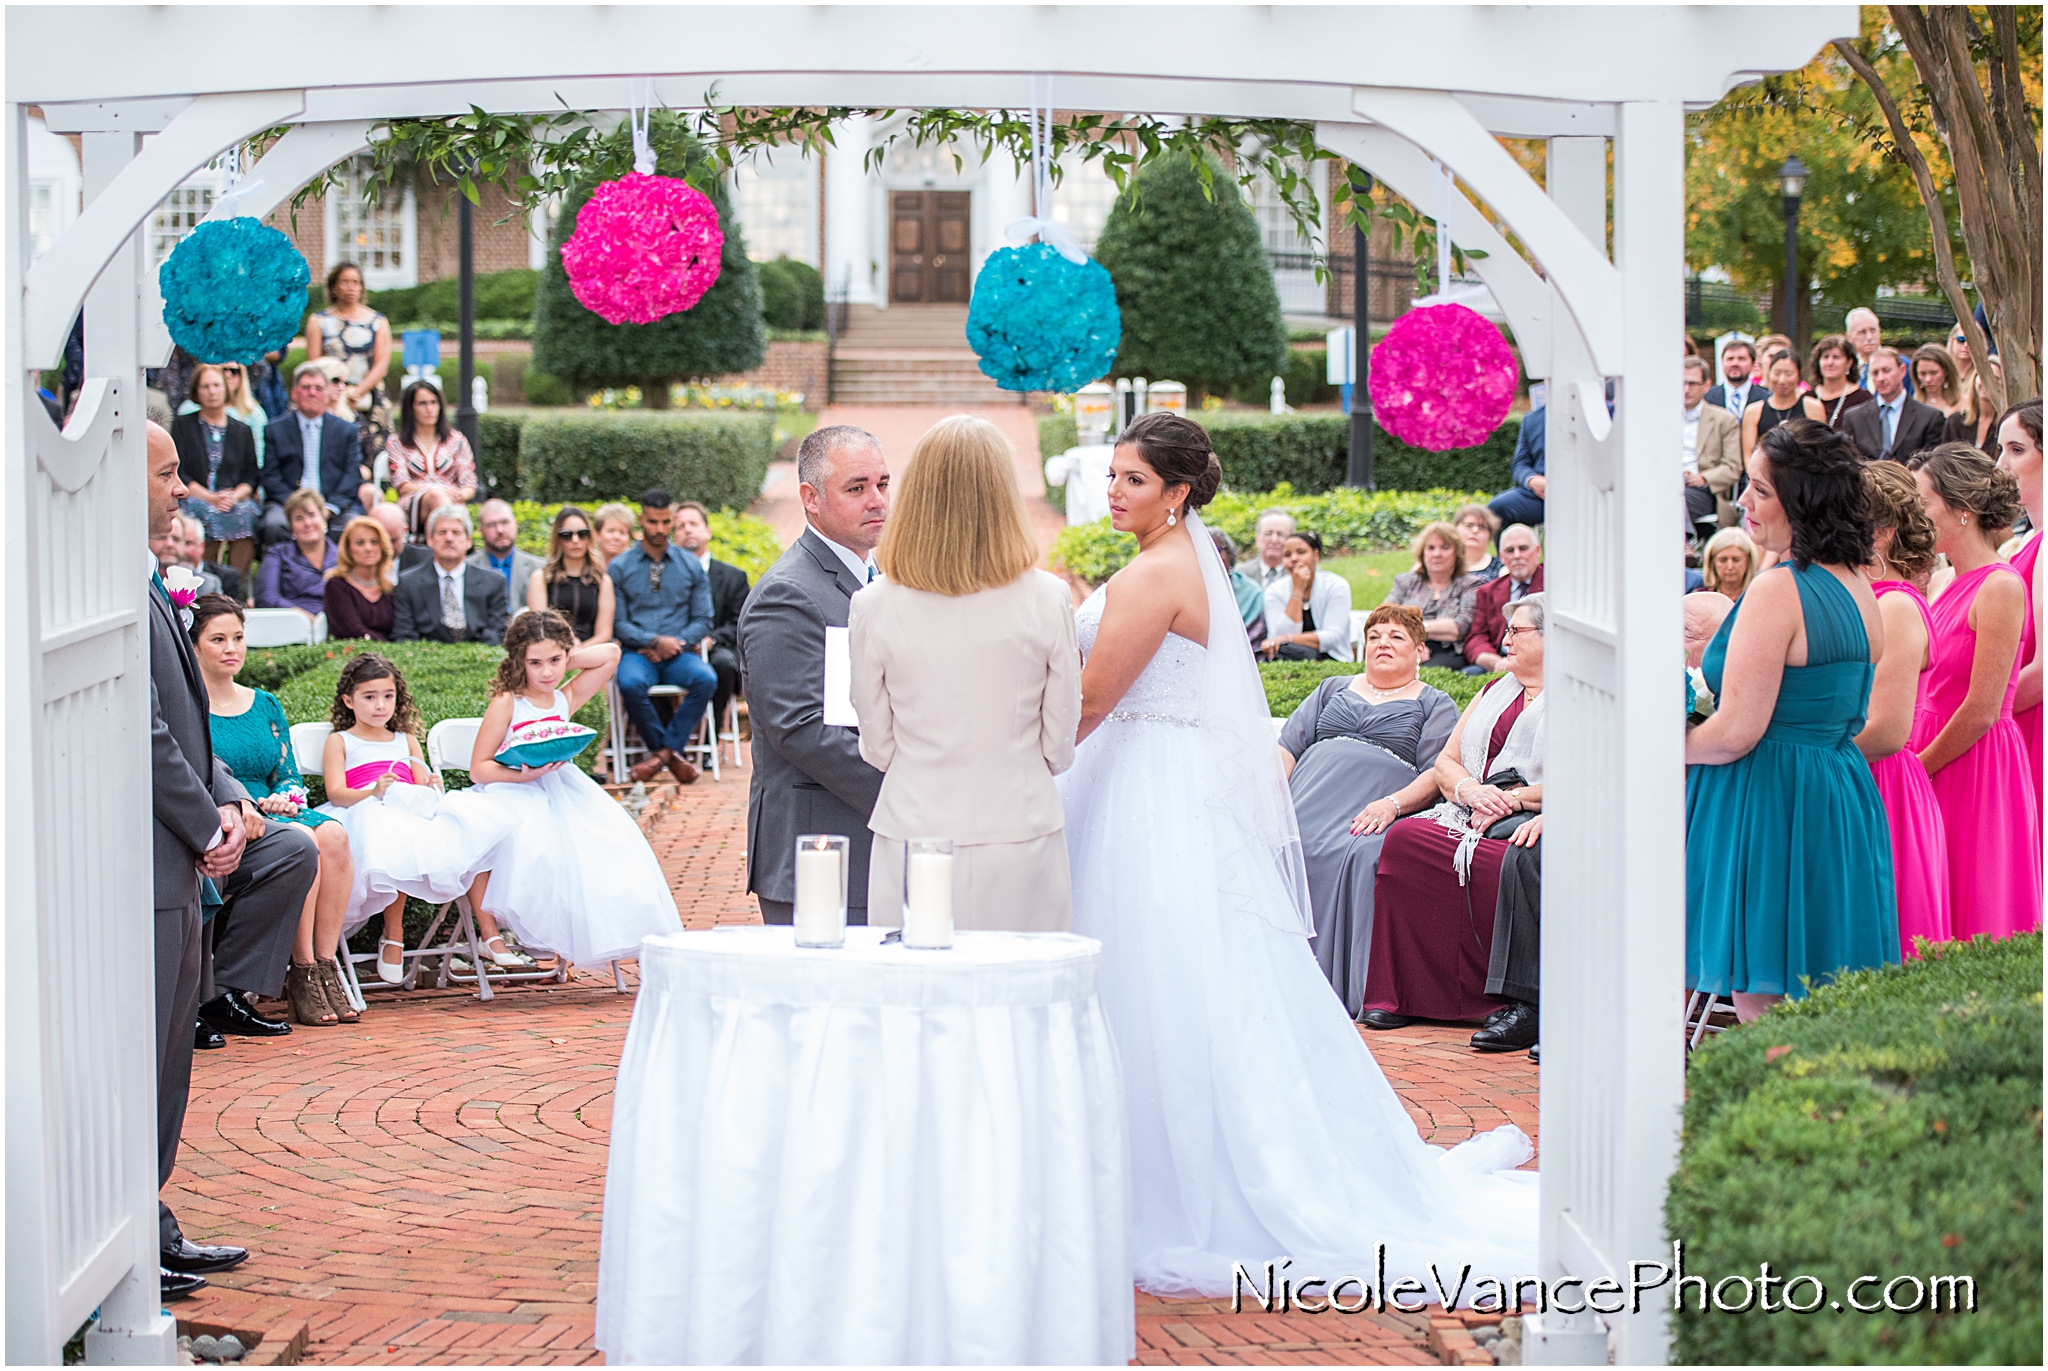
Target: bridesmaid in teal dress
x,y
1788,859
251,735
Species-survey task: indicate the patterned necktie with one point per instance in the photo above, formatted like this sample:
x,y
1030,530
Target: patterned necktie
x,y
451,605
1890,412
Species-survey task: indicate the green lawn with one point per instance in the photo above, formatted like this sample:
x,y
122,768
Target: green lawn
x,y
1371,574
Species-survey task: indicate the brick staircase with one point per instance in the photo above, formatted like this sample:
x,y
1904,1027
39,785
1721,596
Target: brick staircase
x,y
910,355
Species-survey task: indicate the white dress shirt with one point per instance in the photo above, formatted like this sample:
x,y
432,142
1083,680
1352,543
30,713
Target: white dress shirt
x,y
1329,600
1692,438
862,567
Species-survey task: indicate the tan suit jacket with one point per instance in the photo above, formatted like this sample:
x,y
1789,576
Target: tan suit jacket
x,y
1718,446
969,705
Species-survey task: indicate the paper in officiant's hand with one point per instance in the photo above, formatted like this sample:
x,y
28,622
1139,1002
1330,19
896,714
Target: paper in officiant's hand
x,y
839,680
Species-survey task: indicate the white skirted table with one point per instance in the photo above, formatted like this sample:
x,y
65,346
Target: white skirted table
x,y
868,1154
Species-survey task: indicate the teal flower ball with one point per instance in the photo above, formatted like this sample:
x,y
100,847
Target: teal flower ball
x,y
233,290
1041,322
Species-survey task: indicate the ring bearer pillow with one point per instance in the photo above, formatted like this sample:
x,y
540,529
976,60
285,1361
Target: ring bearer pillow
x,y
366,774
538,742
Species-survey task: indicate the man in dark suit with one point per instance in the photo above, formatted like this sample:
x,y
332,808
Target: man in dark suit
x,y
448,600
204,826
1739,385
809,776
728,597
1521,574
311,449
1897,426
1523,503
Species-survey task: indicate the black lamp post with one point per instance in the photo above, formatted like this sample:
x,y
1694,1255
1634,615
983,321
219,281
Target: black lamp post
x,y
1358,461
1792,185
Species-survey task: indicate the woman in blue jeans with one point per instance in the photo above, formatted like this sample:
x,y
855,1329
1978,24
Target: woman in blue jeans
x,y
662,621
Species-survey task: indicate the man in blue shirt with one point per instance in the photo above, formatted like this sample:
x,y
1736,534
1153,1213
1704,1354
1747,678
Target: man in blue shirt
x,y
663,613
501,554
1524,503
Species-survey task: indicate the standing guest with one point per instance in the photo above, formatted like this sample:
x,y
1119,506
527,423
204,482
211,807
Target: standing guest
x,y
1959,352
310,449
1493,603
1251,600
1783,403
1738,388
1446,596
501,554
294,574
1522,503
1828,367
1897,425
571,581
1936,383
1712,454
448,600
1976,757
809,776
217,463
1976,423
241,403
728,597
1269,540
1308,615
349,332
1357,754
1439,878
2019,452
1476,527
359,586
426,450
1729,563
967,683
614,531
1861,336
1788,863
663,617
251,734
1902,719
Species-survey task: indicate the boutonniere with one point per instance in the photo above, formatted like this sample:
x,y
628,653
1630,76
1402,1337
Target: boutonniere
x,y
1699,700
295,794
182,585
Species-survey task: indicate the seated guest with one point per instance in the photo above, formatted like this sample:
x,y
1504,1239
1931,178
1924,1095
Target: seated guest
x,y
1251,600
311,449
406,554
1446,595
192,535
1477,525
1521,575
1269,545
571,580
1357,753
358,591
614,531
728,597
1711,452
1523,502
1897,425
217,463
501,554
1440,873
448,600
426,450
1728,563
294,574
1703,610
1308,615
664,615
169,551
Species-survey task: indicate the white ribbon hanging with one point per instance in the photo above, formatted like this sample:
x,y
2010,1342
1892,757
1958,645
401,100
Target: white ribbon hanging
x,y
639,99
1040,224
236,187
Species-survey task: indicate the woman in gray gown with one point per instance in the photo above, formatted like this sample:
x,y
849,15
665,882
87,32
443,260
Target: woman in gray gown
x,y
1358,753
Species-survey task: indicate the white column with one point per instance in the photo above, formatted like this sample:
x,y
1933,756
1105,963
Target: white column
x,y
849,249
1004,195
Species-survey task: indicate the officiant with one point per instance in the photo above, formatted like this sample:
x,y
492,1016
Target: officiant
x,y
808,775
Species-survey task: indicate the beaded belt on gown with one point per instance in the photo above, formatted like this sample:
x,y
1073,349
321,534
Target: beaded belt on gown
x,y
1132,716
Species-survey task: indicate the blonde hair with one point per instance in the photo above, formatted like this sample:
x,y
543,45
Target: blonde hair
x,y
1726,538
956,523
1442,530
343,564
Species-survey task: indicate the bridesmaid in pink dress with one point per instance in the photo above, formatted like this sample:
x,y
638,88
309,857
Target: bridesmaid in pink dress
x,y
2019,452
1901,717
1976,758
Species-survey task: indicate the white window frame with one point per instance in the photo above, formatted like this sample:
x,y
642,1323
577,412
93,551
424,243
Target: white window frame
x,y
181,211
406,217
790,167
1299,291
1083,199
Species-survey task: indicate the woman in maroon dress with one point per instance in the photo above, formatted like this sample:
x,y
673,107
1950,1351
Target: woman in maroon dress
x,y
1432,934
357,594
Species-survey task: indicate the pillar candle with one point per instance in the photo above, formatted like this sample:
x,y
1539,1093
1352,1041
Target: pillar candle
x,y
928,903
819,915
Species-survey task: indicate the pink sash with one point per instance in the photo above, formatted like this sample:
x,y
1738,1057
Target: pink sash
x,y
364,776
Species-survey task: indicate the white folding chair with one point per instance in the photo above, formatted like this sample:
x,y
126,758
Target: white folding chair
x,y
320,627
309,741
278,628
1700,1008
731,736
626,744
1358,617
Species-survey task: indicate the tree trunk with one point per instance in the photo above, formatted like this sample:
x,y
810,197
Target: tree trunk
x,y
654,394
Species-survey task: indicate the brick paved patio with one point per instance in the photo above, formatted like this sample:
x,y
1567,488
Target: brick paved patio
x,y
426,1185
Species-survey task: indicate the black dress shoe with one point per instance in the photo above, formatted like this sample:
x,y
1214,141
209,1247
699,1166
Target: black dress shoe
x,y
1495,1016
1380,1018
1511,1032
230,1013
206,1039
1533,1051
192,1258
176,1285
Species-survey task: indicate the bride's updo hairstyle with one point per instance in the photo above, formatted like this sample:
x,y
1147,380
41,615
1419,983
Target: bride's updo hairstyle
x,y
1178,452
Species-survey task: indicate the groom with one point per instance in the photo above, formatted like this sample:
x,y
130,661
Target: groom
x,y
808,775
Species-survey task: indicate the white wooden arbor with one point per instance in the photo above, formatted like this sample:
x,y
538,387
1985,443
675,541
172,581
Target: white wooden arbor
x,y
1390,88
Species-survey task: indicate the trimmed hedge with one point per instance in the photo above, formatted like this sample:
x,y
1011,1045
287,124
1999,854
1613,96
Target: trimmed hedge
x,y
717,457
792,296
1888,1124
1289,683
1306,376
497,458
498,295
738,539
1309,451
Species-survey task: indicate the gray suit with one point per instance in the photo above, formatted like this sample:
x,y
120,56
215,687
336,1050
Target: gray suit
x,y
808,776
524,564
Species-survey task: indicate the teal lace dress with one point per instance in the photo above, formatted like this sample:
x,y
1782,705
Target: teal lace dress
x,y
1788,856
257,746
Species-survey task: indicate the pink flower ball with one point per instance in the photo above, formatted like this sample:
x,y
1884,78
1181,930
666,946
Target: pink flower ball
x,y
645,247
1442,378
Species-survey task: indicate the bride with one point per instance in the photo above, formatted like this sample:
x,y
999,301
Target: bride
x,y
1261,1127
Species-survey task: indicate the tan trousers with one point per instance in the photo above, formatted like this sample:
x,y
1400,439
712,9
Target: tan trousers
x,y
1023,887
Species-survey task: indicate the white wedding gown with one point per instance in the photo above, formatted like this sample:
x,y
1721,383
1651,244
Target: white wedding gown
x,y
1261,1128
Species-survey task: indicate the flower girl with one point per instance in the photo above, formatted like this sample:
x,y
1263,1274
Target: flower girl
x,y
407,838
579,878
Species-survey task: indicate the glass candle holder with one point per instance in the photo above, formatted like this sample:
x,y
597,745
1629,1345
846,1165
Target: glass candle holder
x,y
928,892
821,876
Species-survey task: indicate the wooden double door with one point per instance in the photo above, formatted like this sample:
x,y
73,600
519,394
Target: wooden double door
x,y
928,247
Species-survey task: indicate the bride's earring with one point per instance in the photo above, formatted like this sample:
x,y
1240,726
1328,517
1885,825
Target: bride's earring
x,y
1169,518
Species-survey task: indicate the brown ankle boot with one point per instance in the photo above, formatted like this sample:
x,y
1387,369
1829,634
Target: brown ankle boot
x,y
308,1001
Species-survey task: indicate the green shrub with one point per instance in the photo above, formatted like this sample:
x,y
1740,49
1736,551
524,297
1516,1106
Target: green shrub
x,y
719,335
738,539
545,390
497,295
792,295
497,458
1192,280
268,668
1888,1124
1310,452
1056,433
715,456
1304,373
1289,683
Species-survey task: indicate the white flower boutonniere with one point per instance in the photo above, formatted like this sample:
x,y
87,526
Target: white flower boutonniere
x,y
182,584
1700,699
